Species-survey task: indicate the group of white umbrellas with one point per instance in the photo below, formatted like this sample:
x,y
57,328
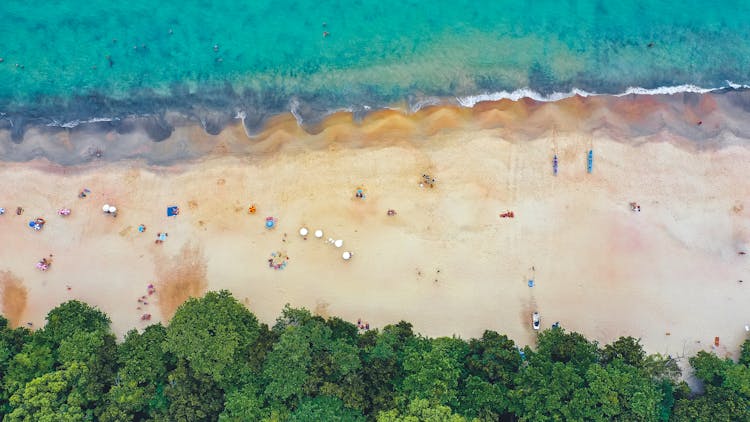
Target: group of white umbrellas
x,y
111,209
337,243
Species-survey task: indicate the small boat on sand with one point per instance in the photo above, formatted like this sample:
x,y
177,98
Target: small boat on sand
x,y
554,165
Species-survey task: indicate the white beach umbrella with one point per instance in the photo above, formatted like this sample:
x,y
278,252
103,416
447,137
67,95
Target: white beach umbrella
x,y
318,233
105,208
346,255
339,243
112,209
303,231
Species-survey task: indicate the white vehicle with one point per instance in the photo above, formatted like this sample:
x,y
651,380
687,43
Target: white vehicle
x,y
535,320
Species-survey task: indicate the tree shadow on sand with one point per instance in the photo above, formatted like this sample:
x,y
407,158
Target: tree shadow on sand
x,y
179,278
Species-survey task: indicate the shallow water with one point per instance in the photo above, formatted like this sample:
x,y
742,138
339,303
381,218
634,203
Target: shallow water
x,y
377,52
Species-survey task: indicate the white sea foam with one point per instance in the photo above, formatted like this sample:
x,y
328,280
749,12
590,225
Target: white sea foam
x,y
737,86
425,102
73,123
667,90
293,108
472,100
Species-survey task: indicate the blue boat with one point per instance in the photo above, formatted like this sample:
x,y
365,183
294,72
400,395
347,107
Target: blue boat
x,y
554,165
590,165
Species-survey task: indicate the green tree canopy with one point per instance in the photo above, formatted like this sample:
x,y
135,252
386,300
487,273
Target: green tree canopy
x,y
433,374
745,353
383,354
243,405
716,404
97,350
11,343
325,408
34,360
709,368
192,396
139,388
628,349
71,317
321,362
54,396
421,410
494,358
545,391
286,369
557,345
482,399
620,391
214,334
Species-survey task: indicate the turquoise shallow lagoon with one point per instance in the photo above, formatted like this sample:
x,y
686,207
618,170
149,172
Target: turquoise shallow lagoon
x,y
69,59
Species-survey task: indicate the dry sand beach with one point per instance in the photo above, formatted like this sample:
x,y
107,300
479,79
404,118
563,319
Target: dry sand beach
x,y
445,262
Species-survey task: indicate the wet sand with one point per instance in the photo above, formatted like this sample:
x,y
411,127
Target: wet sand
x,y
446,262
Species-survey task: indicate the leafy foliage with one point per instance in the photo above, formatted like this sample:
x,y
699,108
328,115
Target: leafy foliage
x,y
286,369
139,389
54,396
192,396
420,410
628,349
432,374
216,362
242,405
214,334
71,317
325,408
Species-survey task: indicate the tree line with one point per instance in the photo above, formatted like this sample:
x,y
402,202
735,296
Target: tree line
x,y
215,361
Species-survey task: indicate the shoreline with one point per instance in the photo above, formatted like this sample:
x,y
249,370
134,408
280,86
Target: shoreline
x,y
708,118
600,269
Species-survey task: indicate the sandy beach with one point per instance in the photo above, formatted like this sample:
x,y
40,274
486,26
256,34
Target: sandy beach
x,y
445,262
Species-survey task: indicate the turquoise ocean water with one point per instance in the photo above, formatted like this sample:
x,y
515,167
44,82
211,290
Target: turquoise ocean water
x,y
71,59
